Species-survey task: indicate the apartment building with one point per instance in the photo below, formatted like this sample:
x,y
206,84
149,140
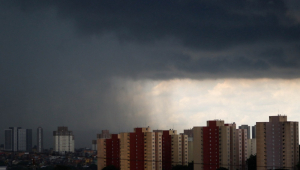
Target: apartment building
x,y
174,148
137,150
241,148
39,139
189,132
219,145
277,143
18,139
63,140
108,152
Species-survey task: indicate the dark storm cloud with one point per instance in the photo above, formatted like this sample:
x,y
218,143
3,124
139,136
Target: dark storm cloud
x,y
199,24
60,60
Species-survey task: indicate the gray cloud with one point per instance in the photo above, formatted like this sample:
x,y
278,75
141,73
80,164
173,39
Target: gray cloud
x,y
58,59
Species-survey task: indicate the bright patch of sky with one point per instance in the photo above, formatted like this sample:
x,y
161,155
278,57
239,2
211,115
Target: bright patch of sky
x,y
184,103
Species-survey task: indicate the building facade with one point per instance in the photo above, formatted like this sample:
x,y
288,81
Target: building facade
x,y
143,149
108,152
174,148
277,143
8,140
189,132
63,140
24,140
241,148
11,139
253,131
212,146
248,130
94,145
17,139
251,147
219,145
104,134
39,139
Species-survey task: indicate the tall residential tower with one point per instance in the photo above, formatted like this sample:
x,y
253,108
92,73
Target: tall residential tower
x,y
277,143
39,139
63,140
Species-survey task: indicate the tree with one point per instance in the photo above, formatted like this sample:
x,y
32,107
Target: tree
x,y
251,162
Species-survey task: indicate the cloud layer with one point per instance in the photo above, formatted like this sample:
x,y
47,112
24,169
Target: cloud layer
x,y
77,63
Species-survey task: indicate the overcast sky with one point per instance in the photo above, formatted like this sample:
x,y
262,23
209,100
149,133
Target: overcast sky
x,y
116,65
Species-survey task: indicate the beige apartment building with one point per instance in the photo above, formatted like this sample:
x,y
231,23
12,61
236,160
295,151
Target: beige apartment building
x,y
233,144
219,145
189,133
158,150
241,148
124,151
137,150
277,143
108,151
174,148
212,146
179,149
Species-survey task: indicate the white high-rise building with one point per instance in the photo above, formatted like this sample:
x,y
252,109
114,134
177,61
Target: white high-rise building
x,y
39,138
63,140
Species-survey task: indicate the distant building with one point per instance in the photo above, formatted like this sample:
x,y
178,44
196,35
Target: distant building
x,y
251,147
252,142
39,139
253,131
63,140
277,143
248,130
17,139
108,151
94,145
105,134
11,139
25,140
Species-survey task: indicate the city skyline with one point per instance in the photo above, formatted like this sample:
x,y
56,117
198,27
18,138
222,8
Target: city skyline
x,y
107,132
95,65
